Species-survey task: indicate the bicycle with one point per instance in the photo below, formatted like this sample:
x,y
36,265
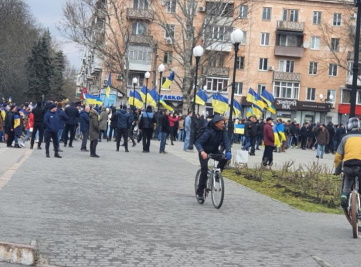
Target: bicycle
x,y
353,212
214,184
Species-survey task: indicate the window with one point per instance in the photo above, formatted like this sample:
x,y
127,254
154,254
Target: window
x,y
140,4
288,40
171,6
332,69
138,75
315,43
221,33
169,31
332,93
264,38
334,44
311,92
219,9
140,53
168,57
263,63
266,13
238,88
244,40
240,63
350,69
217,84
216,59
260,88
312,68
337,18
286,65
139,28
286,90
316,17
243,11
346,96
290,15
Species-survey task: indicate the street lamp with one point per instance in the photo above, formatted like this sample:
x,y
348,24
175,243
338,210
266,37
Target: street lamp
x,y
197,53
161,68
328,99
355,60
146,76
236,38
135,81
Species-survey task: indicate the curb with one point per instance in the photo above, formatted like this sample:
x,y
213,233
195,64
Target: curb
x,y
17,253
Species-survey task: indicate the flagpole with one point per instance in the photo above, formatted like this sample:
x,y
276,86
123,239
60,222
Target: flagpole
x,y
146,75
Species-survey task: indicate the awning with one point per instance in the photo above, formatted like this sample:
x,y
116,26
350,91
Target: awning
x,y
345,109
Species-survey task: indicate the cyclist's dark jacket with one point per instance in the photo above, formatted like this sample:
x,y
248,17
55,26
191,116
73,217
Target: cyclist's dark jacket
x,y
212,138
349,150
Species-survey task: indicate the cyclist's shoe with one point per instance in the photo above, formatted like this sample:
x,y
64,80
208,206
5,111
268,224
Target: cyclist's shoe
x,y
200,197
344,202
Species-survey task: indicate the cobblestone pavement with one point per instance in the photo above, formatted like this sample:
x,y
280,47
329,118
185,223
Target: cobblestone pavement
x,y
135,209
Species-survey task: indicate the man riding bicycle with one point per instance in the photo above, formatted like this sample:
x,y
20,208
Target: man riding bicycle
x,y
349,153
213,136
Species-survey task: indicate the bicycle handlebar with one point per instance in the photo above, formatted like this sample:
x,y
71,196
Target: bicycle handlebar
x,y
217,156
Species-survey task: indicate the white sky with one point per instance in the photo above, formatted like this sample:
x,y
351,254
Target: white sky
x,y
49,14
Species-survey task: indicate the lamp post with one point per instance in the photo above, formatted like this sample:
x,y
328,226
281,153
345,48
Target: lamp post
x,y
161,68
146,76
236,38
355,60
197,53
135,81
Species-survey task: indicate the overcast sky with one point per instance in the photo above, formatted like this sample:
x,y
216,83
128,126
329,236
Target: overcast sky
x,y
49,13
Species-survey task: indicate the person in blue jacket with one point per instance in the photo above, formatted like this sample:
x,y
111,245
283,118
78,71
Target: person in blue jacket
x,y
51,125
84,127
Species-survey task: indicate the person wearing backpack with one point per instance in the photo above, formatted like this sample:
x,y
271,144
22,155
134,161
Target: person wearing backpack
x,y
146,125
212,138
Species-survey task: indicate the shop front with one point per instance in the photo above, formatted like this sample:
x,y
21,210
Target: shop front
x,y
344,112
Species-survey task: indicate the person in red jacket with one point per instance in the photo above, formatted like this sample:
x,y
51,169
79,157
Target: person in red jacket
x,y
269,140
172,120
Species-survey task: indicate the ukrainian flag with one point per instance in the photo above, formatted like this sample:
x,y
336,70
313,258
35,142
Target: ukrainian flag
x,y
161,101
219,103
16,121
239,128
169,80
257,111
281,131
249,112
109,82
92,99
143,92
135,99
277,139
254,98
152,97
272,109
201,97
10,99
267,97
236,108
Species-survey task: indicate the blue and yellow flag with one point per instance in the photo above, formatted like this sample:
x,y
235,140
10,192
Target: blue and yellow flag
x,y
254,98
201,97
249,112
272,109
257,111
135,99
267,97
277,138
281,131
219,103
169,80
109,82
152,97
143,92
239,128
10,99
236,108
161,101
16,121
92,99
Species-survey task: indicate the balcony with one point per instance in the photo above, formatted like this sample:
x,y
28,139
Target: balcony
x,y
140,14
290,26
350,78
289,51
220,46
286,76
141,39
215,71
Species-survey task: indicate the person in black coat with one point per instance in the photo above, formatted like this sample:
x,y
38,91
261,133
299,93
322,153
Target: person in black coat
x,y
304,133
164,130
51,125
146,125
123,124
39,114
73,114
331,132
340,132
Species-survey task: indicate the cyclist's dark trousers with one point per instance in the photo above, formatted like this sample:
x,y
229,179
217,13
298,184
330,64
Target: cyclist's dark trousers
x,y
146,136
69,128
37,127
267,155
204,171
122,132
349,175
47,137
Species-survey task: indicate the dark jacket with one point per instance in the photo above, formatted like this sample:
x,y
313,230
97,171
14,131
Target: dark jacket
x,y
114,119
164,124
39,114
63,118
124,120
253,129
147,120
9,121
323,137
340,132
103,119
93,125
212,138
268,135
51,122
73,115
84,121
261,128
303,131
331,130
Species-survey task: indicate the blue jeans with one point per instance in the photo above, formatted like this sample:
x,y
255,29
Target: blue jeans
x,y
1,136
27,136
320,150
186,140
163,137
60,133
181,135
246,143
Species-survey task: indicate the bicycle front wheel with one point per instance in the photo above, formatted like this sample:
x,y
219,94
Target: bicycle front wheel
x,y
353,213
217,189
196,183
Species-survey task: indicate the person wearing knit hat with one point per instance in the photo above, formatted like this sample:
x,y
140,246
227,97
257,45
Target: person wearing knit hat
x,y
51,125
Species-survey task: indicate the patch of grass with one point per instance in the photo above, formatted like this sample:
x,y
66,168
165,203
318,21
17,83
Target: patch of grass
x,y
274,188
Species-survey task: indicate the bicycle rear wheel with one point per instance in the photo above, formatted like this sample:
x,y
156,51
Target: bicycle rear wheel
x,y
353,213
217,189
196,183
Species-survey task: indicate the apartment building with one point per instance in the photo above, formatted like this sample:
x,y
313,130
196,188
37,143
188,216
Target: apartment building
x,y
301,51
